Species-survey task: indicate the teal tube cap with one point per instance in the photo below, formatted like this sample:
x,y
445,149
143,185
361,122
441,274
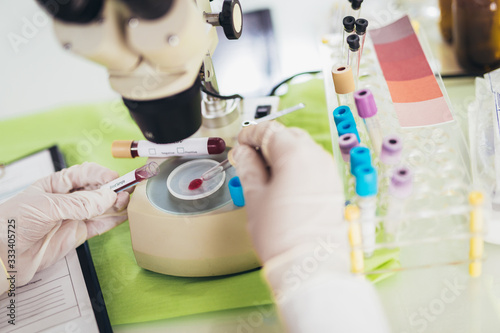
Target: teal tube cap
x,y
236,191
342,113
366,180
359,156
348,126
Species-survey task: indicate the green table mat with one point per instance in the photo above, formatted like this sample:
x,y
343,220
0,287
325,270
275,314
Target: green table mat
x,y
132,294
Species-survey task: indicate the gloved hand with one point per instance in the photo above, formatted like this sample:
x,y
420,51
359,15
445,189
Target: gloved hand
x,y
297,199
56,214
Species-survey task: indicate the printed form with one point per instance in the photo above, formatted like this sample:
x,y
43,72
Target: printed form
x,y
56,299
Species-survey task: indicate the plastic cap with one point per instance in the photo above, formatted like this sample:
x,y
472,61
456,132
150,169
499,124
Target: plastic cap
x,y
360,156
236,191
392,147
342,113
366,180
361,25
351,213
121,148
353,42
216,145
476,198
346,143
365,103
348,126
401,184
356,4
343,80
348,23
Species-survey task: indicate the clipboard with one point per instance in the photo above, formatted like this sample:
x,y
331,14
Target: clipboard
x,y
42,284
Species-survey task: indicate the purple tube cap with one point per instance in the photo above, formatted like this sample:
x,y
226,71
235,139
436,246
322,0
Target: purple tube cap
x,y
365,103
392,148
346,143
401,184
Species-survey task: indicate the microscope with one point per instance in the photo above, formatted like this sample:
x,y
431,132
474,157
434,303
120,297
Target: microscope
x,y
158,56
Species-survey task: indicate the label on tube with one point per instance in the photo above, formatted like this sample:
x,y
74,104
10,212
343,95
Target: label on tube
x,y
196,146
126,179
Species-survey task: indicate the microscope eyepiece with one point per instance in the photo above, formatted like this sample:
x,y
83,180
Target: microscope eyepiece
x,y
73,11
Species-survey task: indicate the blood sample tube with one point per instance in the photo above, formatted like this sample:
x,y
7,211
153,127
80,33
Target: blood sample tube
x,y
348,23
367,109
366,189
361,24
353,56
133,177
187,147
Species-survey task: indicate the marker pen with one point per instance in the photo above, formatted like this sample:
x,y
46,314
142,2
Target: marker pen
x,y
187,147
366,189
133,177
367,109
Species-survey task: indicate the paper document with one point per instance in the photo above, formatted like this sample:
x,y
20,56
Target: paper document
x,y
56,299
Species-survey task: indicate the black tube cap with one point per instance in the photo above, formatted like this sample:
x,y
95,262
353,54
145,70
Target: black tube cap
x,y
353,42
356,4
348,23
168,119
361,25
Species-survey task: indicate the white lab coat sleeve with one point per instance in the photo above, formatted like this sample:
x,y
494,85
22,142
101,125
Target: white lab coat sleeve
x,y
315,292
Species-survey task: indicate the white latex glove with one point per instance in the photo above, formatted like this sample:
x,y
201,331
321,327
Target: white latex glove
x,y
57,214
299,199
295,204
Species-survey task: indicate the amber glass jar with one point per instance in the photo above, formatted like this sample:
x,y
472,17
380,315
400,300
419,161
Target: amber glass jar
x,y
446,20
476,34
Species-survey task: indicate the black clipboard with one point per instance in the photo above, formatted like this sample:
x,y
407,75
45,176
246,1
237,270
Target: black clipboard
x,y
86,263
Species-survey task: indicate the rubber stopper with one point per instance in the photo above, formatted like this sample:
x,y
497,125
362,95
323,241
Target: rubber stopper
x,y
349,22
236,191
121,148
356,4
343,80
347,126
392,148
365,103
360,156
353,42
366,180
401,184
342,113
361,25
346,143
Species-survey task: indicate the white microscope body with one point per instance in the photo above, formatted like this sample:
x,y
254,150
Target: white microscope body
x,y
158,54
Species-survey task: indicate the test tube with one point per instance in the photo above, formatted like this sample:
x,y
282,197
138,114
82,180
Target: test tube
x,y
348,23
367,109
346,143
348,126
343,80
366,190
187,147
342,113
361,25
133,177
353,56
356,7
400,188
392,148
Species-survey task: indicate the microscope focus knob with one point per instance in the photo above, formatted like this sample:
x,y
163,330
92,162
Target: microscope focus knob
x,y
231,19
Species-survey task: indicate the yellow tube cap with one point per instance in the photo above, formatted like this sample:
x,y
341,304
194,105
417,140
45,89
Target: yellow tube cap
x,y
343,79
121,148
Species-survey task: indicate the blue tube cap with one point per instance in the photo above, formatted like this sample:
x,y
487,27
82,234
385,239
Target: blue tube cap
x,y
236,191
348,126
342,113
366,180
359,156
